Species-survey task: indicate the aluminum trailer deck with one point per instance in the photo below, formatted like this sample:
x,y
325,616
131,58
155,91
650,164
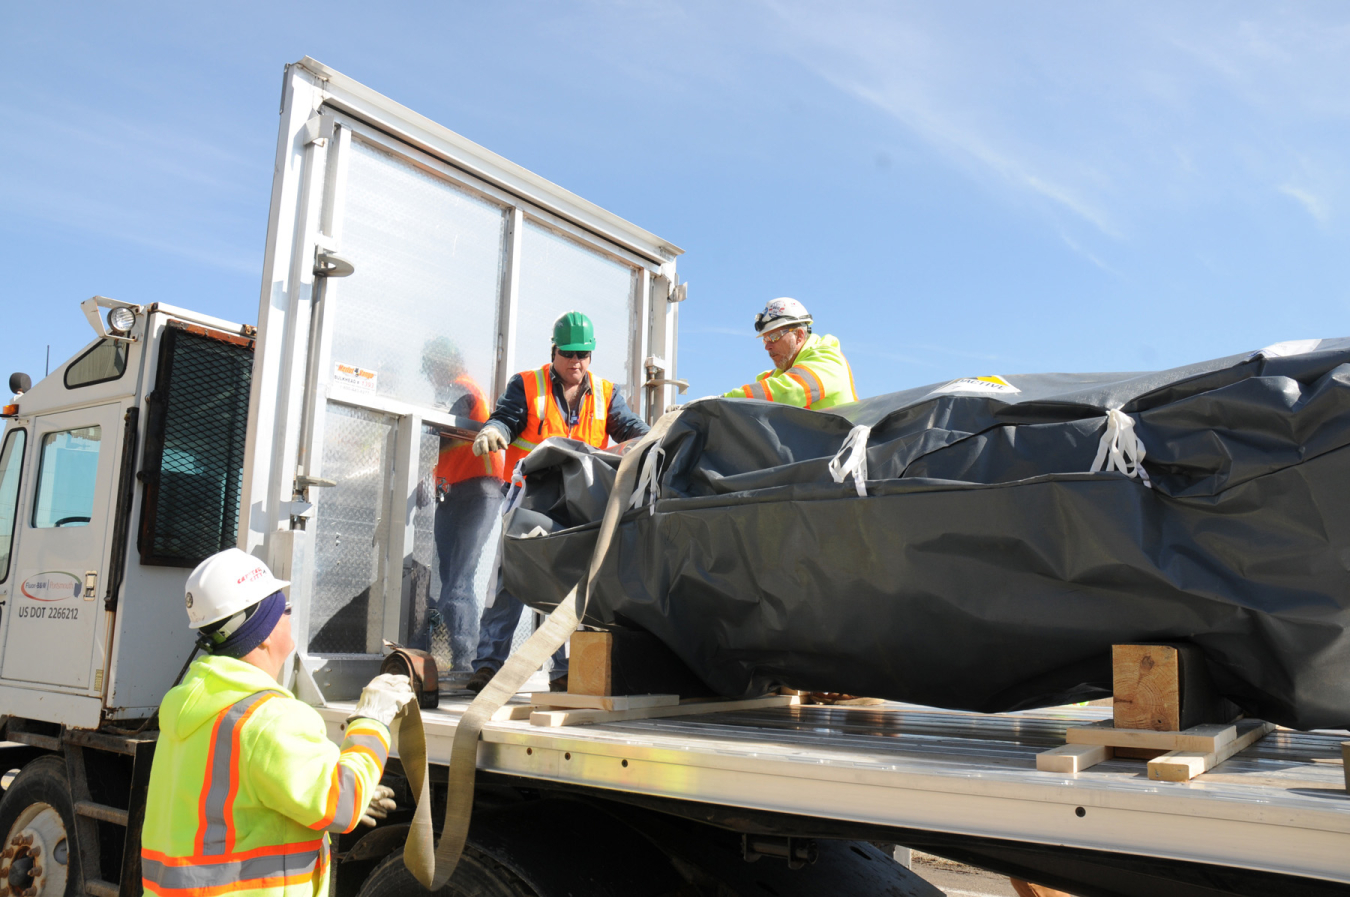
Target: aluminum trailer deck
x,y
1278,807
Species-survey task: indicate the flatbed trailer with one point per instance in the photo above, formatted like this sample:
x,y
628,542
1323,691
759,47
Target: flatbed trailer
x,y
1275,818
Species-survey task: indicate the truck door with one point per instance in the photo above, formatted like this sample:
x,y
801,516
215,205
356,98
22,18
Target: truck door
x,y
54,625
408,274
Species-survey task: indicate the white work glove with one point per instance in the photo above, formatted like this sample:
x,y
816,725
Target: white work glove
x,y
383,698
381,802
490,439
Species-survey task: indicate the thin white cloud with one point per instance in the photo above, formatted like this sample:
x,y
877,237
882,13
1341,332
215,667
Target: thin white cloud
x,y
1109,116
1315,205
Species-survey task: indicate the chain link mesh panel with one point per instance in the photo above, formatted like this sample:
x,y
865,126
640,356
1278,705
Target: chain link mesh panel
x,y
194,448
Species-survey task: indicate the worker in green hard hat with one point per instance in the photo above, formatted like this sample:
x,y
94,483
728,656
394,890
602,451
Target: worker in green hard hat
x,y
561,398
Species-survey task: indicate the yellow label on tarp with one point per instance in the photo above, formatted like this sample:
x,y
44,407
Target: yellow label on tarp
x,y
990,384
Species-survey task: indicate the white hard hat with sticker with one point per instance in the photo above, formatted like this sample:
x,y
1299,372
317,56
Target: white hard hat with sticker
x,y
226,583
781,312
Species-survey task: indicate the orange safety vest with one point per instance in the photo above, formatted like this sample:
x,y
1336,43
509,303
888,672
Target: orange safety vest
x,y
545,418
457,462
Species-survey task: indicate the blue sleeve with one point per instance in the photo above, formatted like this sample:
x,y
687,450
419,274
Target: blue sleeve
x,y
511,411
621,423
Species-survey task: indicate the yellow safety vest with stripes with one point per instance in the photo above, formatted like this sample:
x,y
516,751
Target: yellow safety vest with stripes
x,y
245,786
819,378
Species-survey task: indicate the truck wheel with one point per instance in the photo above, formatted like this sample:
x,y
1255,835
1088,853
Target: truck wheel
x,y
477,875
37,858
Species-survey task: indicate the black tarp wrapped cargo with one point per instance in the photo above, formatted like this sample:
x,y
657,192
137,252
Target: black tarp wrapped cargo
x,y
986,568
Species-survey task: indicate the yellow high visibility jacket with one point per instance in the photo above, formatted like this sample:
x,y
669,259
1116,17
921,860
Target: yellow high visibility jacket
x,y
819,378
245,785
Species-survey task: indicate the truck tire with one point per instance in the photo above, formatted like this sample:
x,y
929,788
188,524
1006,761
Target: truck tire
x,y
477,875
37,821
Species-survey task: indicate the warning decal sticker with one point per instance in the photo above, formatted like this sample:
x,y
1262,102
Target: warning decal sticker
x,y
354,378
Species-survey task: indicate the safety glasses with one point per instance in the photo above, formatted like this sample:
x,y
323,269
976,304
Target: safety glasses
x,y
571,355
771,338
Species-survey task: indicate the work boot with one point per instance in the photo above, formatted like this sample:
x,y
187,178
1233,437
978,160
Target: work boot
x,y
479,680
559,684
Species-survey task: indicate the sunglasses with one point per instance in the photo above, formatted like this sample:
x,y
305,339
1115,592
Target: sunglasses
x,y
571,355
771,338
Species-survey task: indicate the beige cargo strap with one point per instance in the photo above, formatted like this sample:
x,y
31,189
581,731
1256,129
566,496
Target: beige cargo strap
x,y
433,868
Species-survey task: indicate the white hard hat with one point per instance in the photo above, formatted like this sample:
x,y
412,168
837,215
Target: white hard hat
x,y
781,312
226,583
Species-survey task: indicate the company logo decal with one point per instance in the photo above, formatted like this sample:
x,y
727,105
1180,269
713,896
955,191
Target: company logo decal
x,y
51,586
990,385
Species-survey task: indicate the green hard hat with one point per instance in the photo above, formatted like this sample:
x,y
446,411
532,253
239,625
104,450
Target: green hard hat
x,y
573,333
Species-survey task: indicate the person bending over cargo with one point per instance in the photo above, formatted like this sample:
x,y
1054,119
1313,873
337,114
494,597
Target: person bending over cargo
x,y
809,371
562,398
245,784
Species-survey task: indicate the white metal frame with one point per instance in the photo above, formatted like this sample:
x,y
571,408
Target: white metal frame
x,y
322,113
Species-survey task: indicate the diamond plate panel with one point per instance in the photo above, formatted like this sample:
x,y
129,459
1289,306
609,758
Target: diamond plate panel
x,y
350,521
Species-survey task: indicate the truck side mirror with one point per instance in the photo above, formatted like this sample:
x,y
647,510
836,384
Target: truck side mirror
x,y
20,383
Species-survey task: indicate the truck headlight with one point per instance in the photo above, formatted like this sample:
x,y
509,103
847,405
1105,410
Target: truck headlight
x,y
121,319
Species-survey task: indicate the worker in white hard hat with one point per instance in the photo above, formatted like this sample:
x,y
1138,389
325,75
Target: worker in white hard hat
x,y
245,784
809,371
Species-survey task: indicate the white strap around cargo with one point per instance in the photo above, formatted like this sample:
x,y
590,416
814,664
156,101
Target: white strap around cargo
x,y
651,469
1120,448
433,867
855,444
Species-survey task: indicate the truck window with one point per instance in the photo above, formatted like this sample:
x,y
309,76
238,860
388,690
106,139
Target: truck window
x,y
11,467
67,475
107,360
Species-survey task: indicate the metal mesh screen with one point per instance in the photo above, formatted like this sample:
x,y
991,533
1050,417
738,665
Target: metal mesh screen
x,y
194,448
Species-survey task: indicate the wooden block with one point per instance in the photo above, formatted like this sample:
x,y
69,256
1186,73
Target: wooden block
x,y
565,700
1166,687
1128,753
588,664
1146,681
1027,889
1181,766
1072,757
512,711
554,718
628,662
1208,737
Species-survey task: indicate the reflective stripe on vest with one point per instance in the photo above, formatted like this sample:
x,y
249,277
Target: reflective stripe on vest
x,y
811,383
345,797
215,822
541,393
599,406
266,867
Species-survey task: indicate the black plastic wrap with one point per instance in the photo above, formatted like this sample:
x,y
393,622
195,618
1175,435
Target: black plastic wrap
x,y
986,568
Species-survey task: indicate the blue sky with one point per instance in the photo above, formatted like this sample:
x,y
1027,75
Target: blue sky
x,y
953,188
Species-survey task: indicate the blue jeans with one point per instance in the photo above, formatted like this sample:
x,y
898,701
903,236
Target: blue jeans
x,y
464,520
496,630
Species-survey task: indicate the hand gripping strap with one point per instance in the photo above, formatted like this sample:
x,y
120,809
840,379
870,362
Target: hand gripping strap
x,y
433,868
